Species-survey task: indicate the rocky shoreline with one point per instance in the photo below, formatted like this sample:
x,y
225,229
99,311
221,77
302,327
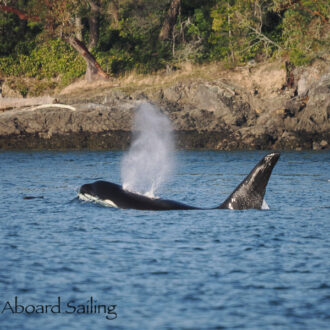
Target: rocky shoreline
x,y
255,107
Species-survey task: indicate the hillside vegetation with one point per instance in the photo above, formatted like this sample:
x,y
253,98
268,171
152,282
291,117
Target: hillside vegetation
x,y
54,42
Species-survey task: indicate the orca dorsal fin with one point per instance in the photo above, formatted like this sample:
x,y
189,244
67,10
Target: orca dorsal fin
x,y
249,194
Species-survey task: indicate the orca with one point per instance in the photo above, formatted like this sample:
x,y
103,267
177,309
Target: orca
x,y
249,194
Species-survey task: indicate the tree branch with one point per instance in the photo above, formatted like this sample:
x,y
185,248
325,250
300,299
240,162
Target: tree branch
x,y
170,20
20,13
94,6
264,37
316,13
313,12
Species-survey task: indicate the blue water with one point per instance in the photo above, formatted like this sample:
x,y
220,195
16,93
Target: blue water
x,y
211,269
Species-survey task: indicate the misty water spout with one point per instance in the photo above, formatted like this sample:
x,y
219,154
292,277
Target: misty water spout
x,y
149,160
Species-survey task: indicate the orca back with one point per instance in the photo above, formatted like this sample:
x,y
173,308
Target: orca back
x,y
249,194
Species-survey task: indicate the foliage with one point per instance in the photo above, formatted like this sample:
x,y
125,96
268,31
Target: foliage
x,y
234,31
47,60
14,33
305,28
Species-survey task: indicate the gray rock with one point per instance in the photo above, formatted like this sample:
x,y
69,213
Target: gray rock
x,y
212,114
315,117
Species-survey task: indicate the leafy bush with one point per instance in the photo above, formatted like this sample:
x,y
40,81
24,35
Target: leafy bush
x,y
304,29
114,61
47,60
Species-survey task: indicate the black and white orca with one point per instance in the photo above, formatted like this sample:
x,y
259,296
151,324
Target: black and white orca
x,y
249,194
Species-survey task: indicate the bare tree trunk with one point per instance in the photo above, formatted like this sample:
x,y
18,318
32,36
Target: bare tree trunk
x,y
170,20
94,70
78,28
93,21
230,33
113,10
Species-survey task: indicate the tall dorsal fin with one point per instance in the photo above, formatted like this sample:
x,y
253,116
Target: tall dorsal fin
x,y
250,192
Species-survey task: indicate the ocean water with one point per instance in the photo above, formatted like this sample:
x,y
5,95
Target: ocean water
x,y
213,269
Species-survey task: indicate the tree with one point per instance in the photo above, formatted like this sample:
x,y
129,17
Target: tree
x,y
170,20
305,28
93,21
58,19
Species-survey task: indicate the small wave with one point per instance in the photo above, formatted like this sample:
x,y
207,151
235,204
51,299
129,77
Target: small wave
x,y
282,288
159,273
33,197
322,286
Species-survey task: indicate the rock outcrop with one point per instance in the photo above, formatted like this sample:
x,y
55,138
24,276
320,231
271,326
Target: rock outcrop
x,y
238,111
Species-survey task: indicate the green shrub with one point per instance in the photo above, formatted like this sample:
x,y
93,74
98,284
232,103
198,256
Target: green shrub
x,y
48,60
115,60
299,58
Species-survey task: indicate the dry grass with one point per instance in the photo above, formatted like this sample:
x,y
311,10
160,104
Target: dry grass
x,y
184,72
247,77
133,81
83,85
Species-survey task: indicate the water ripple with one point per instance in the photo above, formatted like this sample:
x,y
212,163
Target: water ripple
x,y
172,270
